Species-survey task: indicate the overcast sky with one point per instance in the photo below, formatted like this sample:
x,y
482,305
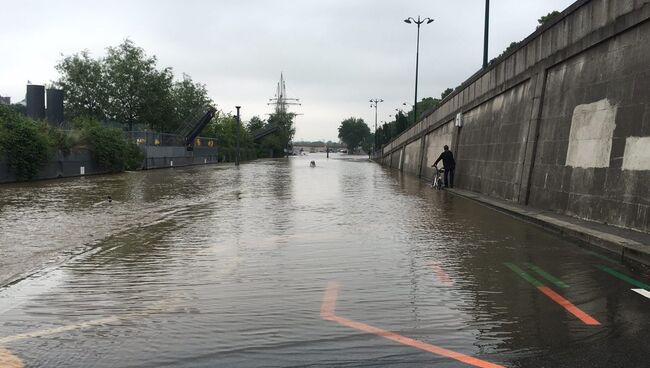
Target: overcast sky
x,y
335,55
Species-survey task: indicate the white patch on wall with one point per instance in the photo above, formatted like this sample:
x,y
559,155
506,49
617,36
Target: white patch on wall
x,y
637,153
590,139
82,170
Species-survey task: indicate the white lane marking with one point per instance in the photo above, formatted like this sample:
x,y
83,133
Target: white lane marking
x,y
643,292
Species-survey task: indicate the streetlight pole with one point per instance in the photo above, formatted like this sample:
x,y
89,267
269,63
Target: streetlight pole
x,y
238,124
419,21
373,103
485,34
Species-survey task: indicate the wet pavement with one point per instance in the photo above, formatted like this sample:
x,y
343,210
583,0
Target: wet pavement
x,y
277,264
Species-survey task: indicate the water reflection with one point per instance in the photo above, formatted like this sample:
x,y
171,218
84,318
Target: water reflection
x,y
226,266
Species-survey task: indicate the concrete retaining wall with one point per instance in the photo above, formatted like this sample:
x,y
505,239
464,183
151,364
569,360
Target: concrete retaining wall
x,y
78,162
561,123
157,157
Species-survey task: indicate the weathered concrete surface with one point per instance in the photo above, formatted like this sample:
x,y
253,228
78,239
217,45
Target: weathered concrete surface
x,y
157,157
435,141
593,103
80,162
590,138
561,123
492,143
77,163
411,162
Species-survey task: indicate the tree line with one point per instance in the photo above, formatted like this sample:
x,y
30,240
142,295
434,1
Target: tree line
x,y
128,87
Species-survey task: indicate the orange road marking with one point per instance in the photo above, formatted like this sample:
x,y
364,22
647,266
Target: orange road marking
x,y
8,360
584,317
440,273
328,312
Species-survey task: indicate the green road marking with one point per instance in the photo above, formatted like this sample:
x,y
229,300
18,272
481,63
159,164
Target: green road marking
x,y
547,276
623,277
603,257
523,274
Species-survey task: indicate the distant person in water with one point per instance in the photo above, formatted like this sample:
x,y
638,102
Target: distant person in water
x,y
312,164
109,199
449,165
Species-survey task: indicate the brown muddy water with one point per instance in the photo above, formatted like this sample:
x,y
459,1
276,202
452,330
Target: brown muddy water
x,y
276,264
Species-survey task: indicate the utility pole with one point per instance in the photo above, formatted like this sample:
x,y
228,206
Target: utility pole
x,y
417,57
238,124
373,103
485,37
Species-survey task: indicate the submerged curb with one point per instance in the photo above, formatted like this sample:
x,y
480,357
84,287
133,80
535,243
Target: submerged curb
x,y
627,249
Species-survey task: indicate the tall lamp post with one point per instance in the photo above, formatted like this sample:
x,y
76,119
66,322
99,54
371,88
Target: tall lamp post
x,y
373,103
485,33
238,124
419,21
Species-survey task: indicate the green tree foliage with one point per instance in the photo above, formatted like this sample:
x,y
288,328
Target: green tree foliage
x,y
224,128
255,124
24,143
403,121
547,18
189,100
84,81
139,93
128,87
446,93
110,150
352,132
279,141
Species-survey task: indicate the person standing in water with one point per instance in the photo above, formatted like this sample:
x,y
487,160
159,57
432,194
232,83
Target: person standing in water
x,y
449,165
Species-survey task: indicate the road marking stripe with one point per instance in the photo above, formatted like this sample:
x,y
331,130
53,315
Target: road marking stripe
x,y
523,274
8,360
603,257
559,283
584,317
56,330
328,312
441,275
158,307
643,292
623,277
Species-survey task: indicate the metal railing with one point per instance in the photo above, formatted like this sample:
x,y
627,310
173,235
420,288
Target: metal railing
x,y
151,138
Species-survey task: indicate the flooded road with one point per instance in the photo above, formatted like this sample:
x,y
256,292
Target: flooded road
x,y
276,264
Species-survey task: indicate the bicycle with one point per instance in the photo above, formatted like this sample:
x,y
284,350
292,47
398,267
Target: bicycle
x,y
436,181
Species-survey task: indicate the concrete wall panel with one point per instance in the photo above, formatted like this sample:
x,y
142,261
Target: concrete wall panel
x,y
434,143
411,162
562,124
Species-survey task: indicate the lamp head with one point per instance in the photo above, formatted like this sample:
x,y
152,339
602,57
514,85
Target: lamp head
x,y
430,21
407,20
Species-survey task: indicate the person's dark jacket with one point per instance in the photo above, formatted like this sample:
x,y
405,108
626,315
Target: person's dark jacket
x,y
447,160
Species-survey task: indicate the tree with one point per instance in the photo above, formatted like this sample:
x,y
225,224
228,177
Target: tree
x,y
138,93
446,93
547,18
255,124
24,143
281,139
189,100
424,106
352,132
85,86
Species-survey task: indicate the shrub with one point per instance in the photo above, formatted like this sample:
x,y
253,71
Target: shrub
x,y
134,156
23,142
110,150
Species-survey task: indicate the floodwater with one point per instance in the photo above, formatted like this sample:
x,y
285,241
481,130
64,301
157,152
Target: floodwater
x,y
276,264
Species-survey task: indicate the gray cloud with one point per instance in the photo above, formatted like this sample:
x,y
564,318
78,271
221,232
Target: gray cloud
x,y
335,54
